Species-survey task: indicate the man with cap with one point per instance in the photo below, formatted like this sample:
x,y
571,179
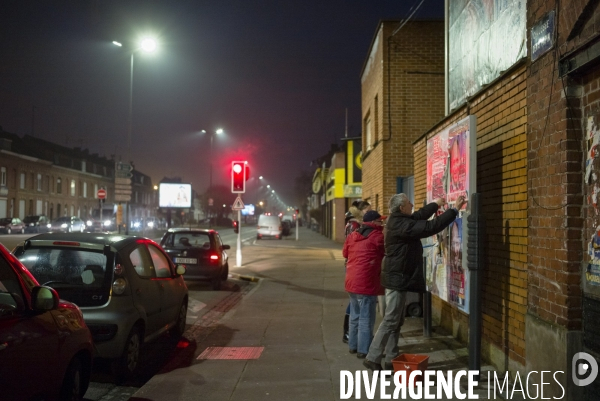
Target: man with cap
x,y
364,249
402,268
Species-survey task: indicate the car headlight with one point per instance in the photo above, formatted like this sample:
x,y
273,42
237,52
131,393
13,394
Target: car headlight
x,y
64,225
49,225
150,224
136,224
89,223
31,224
107,223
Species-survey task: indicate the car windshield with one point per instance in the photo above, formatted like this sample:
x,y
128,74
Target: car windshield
x,y
31,219
5,221
187,240
80,276
63,220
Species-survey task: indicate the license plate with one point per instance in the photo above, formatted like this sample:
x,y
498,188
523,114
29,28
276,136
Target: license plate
x,y
191,261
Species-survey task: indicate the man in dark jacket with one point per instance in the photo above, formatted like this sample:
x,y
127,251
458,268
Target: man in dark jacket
x,y
402,268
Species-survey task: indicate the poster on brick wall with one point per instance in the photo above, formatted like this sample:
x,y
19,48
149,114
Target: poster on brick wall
x,y
451,172
591,276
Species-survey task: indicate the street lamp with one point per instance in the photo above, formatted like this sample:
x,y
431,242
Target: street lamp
x,y
148,45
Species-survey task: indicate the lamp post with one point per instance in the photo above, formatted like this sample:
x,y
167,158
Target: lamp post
x,y
148,45
219,131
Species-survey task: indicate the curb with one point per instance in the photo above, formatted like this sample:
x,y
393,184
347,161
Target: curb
x,y
244,277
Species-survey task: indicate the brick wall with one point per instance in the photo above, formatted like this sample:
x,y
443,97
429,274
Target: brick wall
x,y
555,178
502,182
411,104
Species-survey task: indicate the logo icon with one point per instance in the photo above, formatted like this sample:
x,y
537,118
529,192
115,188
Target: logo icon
x,y
584,369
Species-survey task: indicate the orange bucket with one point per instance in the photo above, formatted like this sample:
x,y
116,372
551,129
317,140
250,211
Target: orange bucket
x,y
410,362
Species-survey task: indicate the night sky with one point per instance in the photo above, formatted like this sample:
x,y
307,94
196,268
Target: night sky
x,y
277,76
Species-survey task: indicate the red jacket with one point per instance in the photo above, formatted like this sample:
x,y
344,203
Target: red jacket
x,y
364,255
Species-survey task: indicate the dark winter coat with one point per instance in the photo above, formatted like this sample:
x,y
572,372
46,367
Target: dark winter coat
x,y
402,266
364,250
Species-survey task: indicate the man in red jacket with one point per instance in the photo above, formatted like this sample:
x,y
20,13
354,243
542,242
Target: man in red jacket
x,y
364,249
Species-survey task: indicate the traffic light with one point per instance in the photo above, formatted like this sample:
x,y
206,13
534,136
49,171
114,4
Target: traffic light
x,y
236,226
238,177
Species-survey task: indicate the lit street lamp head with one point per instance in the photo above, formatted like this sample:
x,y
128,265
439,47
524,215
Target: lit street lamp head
x,y
148,45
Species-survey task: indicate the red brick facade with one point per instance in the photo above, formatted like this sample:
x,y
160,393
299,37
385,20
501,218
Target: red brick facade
x,y
502,181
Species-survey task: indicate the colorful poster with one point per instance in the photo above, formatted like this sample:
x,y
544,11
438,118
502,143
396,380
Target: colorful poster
x,y
449,176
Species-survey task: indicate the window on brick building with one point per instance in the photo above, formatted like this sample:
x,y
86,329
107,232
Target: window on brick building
x,y
72,187
22,181
58,191
368,133
3,176
39,182
85,189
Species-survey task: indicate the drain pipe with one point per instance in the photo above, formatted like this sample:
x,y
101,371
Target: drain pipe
x,y
426,298
475,259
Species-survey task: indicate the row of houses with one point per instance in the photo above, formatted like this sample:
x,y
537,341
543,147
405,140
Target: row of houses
x,y
38,177
515,86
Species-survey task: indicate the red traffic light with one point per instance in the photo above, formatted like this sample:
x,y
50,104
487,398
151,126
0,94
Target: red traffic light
x,y
238,177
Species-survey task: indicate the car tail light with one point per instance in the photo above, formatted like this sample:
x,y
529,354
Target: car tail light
x,y
214,256
119,286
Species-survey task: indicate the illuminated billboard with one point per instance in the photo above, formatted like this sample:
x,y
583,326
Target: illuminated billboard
x,y
175,195
248,210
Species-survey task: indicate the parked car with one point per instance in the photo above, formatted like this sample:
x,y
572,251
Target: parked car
x,y
128,289
269,226
45,346
11,225
68,224
36,224
201,251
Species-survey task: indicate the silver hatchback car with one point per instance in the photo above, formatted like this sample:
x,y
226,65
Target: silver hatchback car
x,y
128,289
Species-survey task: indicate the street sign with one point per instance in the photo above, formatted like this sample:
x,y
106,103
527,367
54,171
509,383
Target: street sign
x,y
122,198
123,174
101,194
238,204
122,191
123,181
124,167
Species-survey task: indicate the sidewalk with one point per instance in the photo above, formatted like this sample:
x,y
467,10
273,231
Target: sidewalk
x,y
291,323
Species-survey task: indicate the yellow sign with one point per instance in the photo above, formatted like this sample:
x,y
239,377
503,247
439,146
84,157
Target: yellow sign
x,y
358,160
119,214
317,182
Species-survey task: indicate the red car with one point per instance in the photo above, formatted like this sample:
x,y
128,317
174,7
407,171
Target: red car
x,y
45,346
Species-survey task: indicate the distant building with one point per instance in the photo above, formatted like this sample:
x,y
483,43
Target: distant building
x,y
41,177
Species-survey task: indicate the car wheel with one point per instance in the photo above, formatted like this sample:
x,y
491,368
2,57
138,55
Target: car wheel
x,y
216,283
225,274
8,231
75,383
128,363
179,327
414,310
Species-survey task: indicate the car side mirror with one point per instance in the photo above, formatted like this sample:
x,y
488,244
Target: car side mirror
x,y
44,299
226,247
181,270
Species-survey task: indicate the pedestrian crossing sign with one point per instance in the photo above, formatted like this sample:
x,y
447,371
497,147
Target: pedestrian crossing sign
x,y
238,204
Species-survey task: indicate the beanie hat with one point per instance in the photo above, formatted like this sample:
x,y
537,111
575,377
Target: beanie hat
x,y
372,215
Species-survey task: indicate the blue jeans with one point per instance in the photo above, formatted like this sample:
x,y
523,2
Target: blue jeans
x,y
362,321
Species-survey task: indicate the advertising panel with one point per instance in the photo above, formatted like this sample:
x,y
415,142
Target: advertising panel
x,y
451,172
485,38
175,195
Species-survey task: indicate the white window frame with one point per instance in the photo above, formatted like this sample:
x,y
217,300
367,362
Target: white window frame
x,y
73,187
3,176
85,189
39,182
22,181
